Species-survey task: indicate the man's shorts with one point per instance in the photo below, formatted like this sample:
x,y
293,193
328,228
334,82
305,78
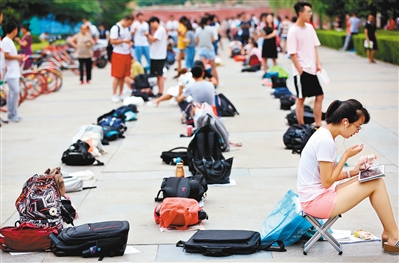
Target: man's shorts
x,y
120,65
307,85
157,66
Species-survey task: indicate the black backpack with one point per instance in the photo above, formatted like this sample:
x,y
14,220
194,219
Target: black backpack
x,y
189,187
92,240
224,106
78,154
206,142
278,82
296,137
141,82
308,116
286,101
169,157
110,47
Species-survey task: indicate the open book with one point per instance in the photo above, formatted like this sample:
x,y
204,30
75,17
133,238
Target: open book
x,y
372,173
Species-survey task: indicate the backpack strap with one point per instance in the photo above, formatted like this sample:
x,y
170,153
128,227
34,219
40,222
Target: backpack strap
x,y
157,198
98,163
268,246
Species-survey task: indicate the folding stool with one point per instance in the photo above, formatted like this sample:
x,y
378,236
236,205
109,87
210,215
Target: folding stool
x,y
321,230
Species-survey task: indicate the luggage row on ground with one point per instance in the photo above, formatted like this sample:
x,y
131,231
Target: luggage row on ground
x,y
296,135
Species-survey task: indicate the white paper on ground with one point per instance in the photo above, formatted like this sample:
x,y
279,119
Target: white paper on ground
x,y
232,183
131,250
346,237
21,253
196,227
84,175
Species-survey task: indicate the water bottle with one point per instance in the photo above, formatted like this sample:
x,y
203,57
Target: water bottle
x,y
179,170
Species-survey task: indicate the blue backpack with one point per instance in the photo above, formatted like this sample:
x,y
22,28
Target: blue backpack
x,y
127,112
113,127
279,92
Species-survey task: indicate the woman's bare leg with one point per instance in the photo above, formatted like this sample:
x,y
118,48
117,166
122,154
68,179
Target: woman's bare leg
x,y
264,64
162,98
214,70
351,194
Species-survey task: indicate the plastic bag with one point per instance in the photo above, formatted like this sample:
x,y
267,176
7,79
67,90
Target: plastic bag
x,y
285,222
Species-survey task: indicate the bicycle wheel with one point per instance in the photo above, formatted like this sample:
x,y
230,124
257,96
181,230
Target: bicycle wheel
x,y
34,83
54,80
23,92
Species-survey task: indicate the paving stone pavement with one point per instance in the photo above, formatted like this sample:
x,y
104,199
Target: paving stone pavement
x,y
263,169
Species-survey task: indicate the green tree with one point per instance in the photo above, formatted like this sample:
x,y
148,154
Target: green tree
x,y
112,12
106,11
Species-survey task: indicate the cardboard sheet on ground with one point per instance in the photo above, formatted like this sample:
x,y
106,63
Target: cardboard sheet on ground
x,y
131,250
21,253
232,183
346,237
196,227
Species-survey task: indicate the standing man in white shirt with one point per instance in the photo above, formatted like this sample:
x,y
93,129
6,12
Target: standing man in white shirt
x,y
141,45
159,42
172,26
302,43
13,73
121,59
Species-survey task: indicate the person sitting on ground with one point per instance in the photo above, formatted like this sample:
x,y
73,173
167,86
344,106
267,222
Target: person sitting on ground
x,y
235,47
200,91
318,173
207,72
253,53
185,78
137,69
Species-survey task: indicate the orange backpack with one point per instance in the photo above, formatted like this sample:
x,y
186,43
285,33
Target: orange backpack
x,y
179,213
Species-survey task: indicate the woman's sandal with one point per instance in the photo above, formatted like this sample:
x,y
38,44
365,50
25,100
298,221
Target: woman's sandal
x,y
391,249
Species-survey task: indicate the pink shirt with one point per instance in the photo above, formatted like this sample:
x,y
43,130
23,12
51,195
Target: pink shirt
x,y
257,52
302,42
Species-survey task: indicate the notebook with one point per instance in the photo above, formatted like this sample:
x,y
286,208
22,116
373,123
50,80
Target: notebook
x,y
372,173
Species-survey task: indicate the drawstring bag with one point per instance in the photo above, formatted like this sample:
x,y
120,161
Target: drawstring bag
x,y
285,222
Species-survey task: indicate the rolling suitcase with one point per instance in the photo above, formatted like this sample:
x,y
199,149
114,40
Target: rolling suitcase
x,y
218,243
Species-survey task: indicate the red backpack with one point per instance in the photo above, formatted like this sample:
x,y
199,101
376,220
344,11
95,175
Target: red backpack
x,y
179,213
26,238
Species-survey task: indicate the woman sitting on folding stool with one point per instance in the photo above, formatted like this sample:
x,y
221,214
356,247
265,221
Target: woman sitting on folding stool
x,y
318,173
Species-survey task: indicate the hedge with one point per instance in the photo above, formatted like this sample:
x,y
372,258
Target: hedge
x,y
388,43
388,50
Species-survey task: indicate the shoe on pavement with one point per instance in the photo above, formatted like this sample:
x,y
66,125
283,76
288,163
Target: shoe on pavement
x,y
4,120
152,104
15,119
116,98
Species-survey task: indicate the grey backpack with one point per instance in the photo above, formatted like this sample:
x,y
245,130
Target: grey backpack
x,y
217,125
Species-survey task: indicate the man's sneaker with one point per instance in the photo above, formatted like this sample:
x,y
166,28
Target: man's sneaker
x,y
116,98
15,119
4,120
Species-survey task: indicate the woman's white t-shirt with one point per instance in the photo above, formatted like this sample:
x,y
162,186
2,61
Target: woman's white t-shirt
x,y
320,147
